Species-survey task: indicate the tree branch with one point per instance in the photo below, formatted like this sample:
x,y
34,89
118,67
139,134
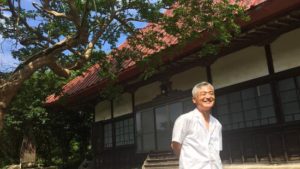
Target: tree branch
x,y
57,48
74,14
24,22
88,51
51,12
59,70
124,23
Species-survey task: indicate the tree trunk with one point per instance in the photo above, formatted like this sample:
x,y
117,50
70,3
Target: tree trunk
x,y
28,149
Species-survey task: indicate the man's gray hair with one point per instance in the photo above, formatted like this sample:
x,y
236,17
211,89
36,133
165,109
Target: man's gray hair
x,y
198,86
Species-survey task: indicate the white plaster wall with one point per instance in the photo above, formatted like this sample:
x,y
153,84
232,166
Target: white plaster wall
x,y
187,79
243,65
102,111
123,105
286,51
147,93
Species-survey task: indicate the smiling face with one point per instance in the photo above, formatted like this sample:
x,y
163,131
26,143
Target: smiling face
x,y
205,98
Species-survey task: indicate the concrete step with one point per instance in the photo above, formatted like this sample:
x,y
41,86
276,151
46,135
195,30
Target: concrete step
x,y
165,167
167,160
262,166
246,166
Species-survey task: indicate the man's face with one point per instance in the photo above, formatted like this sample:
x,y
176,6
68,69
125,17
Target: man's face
x,y
205,98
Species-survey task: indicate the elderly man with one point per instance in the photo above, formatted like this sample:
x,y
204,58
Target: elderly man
x,y
197,135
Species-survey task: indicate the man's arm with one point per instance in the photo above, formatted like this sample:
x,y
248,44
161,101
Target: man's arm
x,y
176,147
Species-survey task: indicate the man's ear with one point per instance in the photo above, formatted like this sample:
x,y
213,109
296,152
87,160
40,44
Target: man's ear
x,y
194,100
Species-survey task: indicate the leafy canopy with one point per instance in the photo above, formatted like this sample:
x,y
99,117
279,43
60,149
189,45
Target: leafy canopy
x,y
67,35
96,24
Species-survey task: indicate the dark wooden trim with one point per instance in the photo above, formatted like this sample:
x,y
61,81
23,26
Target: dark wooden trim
x,y
260,80
166,73
113,124
209,75
172,96
274,87
155,129
269,149
284,148
125,116
287,73
269,58
94,113
134,118
276,100
111,109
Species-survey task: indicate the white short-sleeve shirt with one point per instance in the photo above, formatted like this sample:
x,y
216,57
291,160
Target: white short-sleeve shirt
x,y
200,147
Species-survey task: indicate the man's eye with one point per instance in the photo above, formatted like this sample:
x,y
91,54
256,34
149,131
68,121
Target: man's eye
x,y
204,93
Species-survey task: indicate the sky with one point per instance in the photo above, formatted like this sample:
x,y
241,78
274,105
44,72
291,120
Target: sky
x,y
7,62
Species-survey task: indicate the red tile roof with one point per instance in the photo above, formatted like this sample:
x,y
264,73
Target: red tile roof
x,y
91,76
90,82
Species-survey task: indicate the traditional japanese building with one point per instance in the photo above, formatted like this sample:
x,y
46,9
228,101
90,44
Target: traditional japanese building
x,y
257,81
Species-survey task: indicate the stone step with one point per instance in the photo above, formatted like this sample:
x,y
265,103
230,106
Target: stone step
x,y
161,160
155,160
161,155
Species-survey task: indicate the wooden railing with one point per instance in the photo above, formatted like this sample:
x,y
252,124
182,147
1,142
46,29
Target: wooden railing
x,y
272,144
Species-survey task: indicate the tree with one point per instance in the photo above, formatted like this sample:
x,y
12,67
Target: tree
x,y
59,138
61,35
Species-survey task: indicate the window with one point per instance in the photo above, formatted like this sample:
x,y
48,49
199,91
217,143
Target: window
x,y
188,105
289,97
124,132
108,135
145,130
165,115
246,108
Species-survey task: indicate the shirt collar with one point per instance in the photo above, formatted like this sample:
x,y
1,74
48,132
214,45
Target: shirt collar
x,y
199,117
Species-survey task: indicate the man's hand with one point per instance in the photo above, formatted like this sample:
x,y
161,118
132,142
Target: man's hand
x,y
176,147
